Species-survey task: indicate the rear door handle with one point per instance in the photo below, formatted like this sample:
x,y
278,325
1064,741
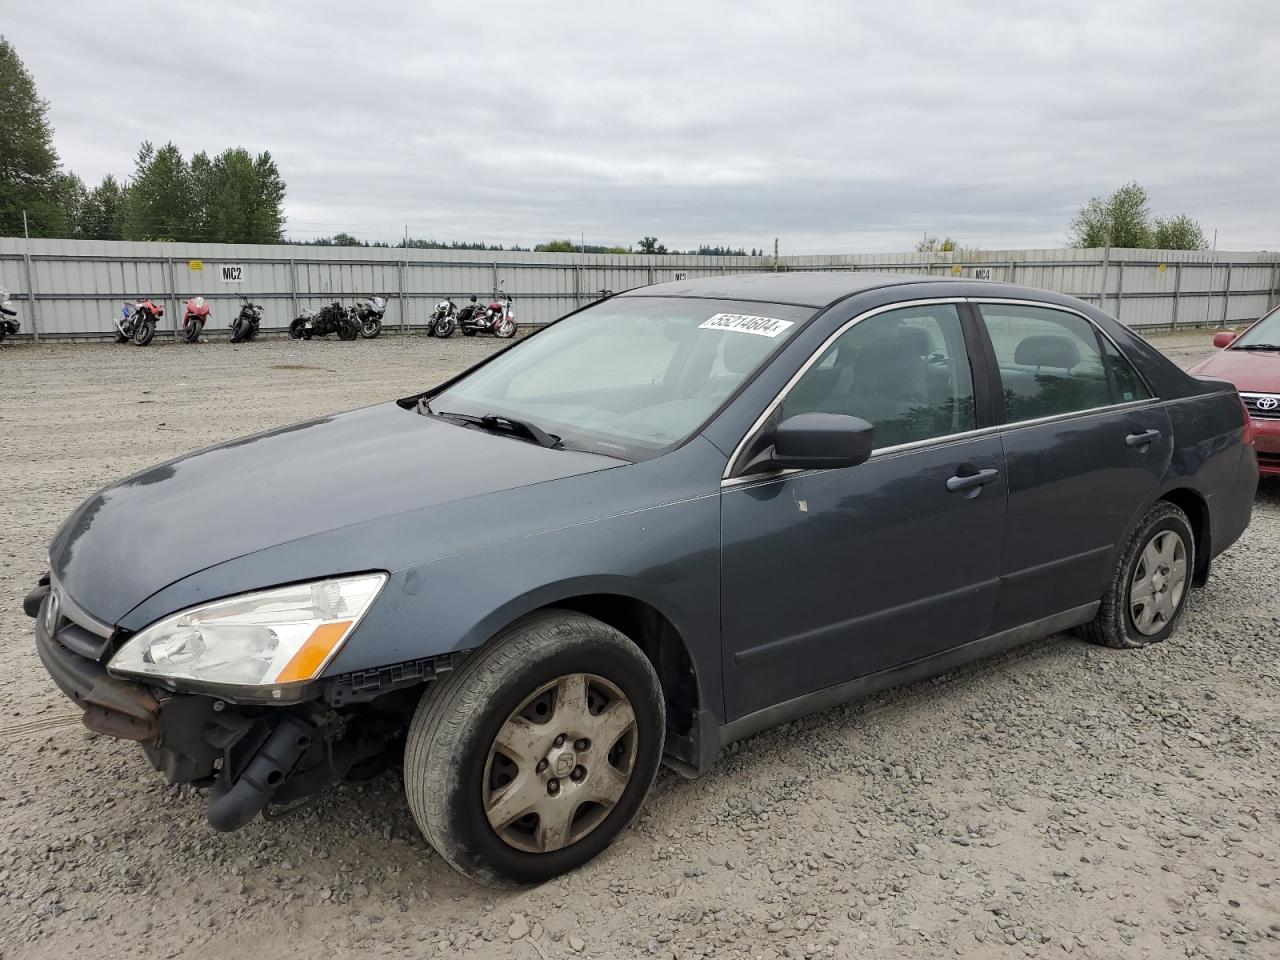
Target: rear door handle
x,y
970,480
1142,439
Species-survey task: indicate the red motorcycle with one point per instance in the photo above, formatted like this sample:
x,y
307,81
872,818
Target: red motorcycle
x,y
138,321
497,318
195,318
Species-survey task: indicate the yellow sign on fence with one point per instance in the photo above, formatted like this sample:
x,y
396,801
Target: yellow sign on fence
x,y
1162,267
195,264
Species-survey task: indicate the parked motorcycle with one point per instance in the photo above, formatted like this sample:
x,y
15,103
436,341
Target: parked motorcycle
x,y
497,318
369,315
245,325
195,318
331,318
443,320
9,322
137,321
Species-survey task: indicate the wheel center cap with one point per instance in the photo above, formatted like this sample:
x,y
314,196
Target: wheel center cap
x,y
562,764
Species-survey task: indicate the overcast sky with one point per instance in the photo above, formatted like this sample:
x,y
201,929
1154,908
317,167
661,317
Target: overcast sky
x,y
834,126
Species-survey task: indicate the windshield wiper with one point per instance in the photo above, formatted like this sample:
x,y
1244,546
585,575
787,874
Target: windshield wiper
x,y
501,423
1258,346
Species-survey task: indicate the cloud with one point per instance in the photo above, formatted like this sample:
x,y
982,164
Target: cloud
x,y
833,126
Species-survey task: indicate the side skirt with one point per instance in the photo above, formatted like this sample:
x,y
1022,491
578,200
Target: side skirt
x,y
862,687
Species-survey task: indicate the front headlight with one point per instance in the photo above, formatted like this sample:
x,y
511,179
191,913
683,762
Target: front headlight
x,y
258,645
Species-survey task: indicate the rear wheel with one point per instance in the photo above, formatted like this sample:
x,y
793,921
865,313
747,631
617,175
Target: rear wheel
x,y
121,337
348,330
143,332
532,757
370,328
1150,584
298,329
468,331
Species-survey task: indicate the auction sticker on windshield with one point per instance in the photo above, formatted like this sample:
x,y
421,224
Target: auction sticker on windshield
x,y
742,323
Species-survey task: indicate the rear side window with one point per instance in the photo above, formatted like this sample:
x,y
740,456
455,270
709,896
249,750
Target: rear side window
x,y
1050,361
1125,383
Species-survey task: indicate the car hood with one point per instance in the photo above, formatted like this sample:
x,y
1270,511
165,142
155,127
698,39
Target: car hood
x,y
158,526
1253,371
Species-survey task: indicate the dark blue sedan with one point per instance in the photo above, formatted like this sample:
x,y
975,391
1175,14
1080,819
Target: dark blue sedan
x,y
664,522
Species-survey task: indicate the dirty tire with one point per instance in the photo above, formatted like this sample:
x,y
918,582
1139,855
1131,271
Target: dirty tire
x,y
1113,626
144,332
459,717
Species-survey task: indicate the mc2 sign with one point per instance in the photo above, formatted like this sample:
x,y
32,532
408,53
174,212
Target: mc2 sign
x,y
231,272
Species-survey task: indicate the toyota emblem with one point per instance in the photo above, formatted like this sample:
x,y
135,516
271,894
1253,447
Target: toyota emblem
x,y
1267,403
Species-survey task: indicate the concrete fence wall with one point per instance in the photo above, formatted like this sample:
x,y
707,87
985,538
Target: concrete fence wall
x,y
75,288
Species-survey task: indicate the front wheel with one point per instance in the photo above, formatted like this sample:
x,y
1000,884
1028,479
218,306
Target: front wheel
x,y
242,331
298,329
1150,584
444,328
194,327
348,330
143,332
505,328
370,328
531,758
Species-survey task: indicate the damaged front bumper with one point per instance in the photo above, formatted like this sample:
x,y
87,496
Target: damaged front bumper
x,y
249,756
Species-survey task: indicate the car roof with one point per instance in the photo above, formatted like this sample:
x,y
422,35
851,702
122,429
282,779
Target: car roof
x,y
809,289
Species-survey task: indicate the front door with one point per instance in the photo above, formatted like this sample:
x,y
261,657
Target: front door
x,y
830,575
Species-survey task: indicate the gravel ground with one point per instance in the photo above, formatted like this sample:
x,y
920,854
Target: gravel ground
x,y
1060,798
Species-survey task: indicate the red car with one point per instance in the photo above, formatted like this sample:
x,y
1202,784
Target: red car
x,y
1252,362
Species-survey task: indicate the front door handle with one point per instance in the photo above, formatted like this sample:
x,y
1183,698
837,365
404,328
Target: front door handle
x,y
1143,438
969,481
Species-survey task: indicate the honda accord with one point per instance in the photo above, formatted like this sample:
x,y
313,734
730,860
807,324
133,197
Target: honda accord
x,y
662,523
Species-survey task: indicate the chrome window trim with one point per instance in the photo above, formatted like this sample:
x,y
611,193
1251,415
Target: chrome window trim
x,y
728,480
1012,301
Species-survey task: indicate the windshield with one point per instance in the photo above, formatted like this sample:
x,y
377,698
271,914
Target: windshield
x,y
628,377
1265,332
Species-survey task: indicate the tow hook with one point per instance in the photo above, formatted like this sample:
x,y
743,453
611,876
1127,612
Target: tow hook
x,y
231,807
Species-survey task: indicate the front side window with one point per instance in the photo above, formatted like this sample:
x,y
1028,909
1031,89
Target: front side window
x,y
1050,361
905,372
628,377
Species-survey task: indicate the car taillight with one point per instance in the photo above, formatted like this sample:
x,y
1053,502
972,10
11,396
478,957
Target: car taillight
x,y
1248,424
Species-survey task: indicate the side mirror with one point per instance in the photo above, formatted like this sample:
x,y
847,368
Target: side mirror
x,y
1224,339
821,441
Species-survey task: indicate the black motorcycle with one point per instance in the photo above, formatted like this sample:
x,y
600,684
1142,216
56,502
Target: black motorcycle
x,y
245,326
331,318
443,320
9,322
369,315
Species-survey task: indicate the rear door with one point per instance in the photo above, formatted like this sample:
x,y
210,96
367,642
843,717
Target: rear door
x,y
1085,444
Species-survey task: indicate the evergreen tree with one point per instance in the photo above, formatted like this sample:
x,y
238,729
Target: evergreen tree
x,y
30,176
102,211
160,203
